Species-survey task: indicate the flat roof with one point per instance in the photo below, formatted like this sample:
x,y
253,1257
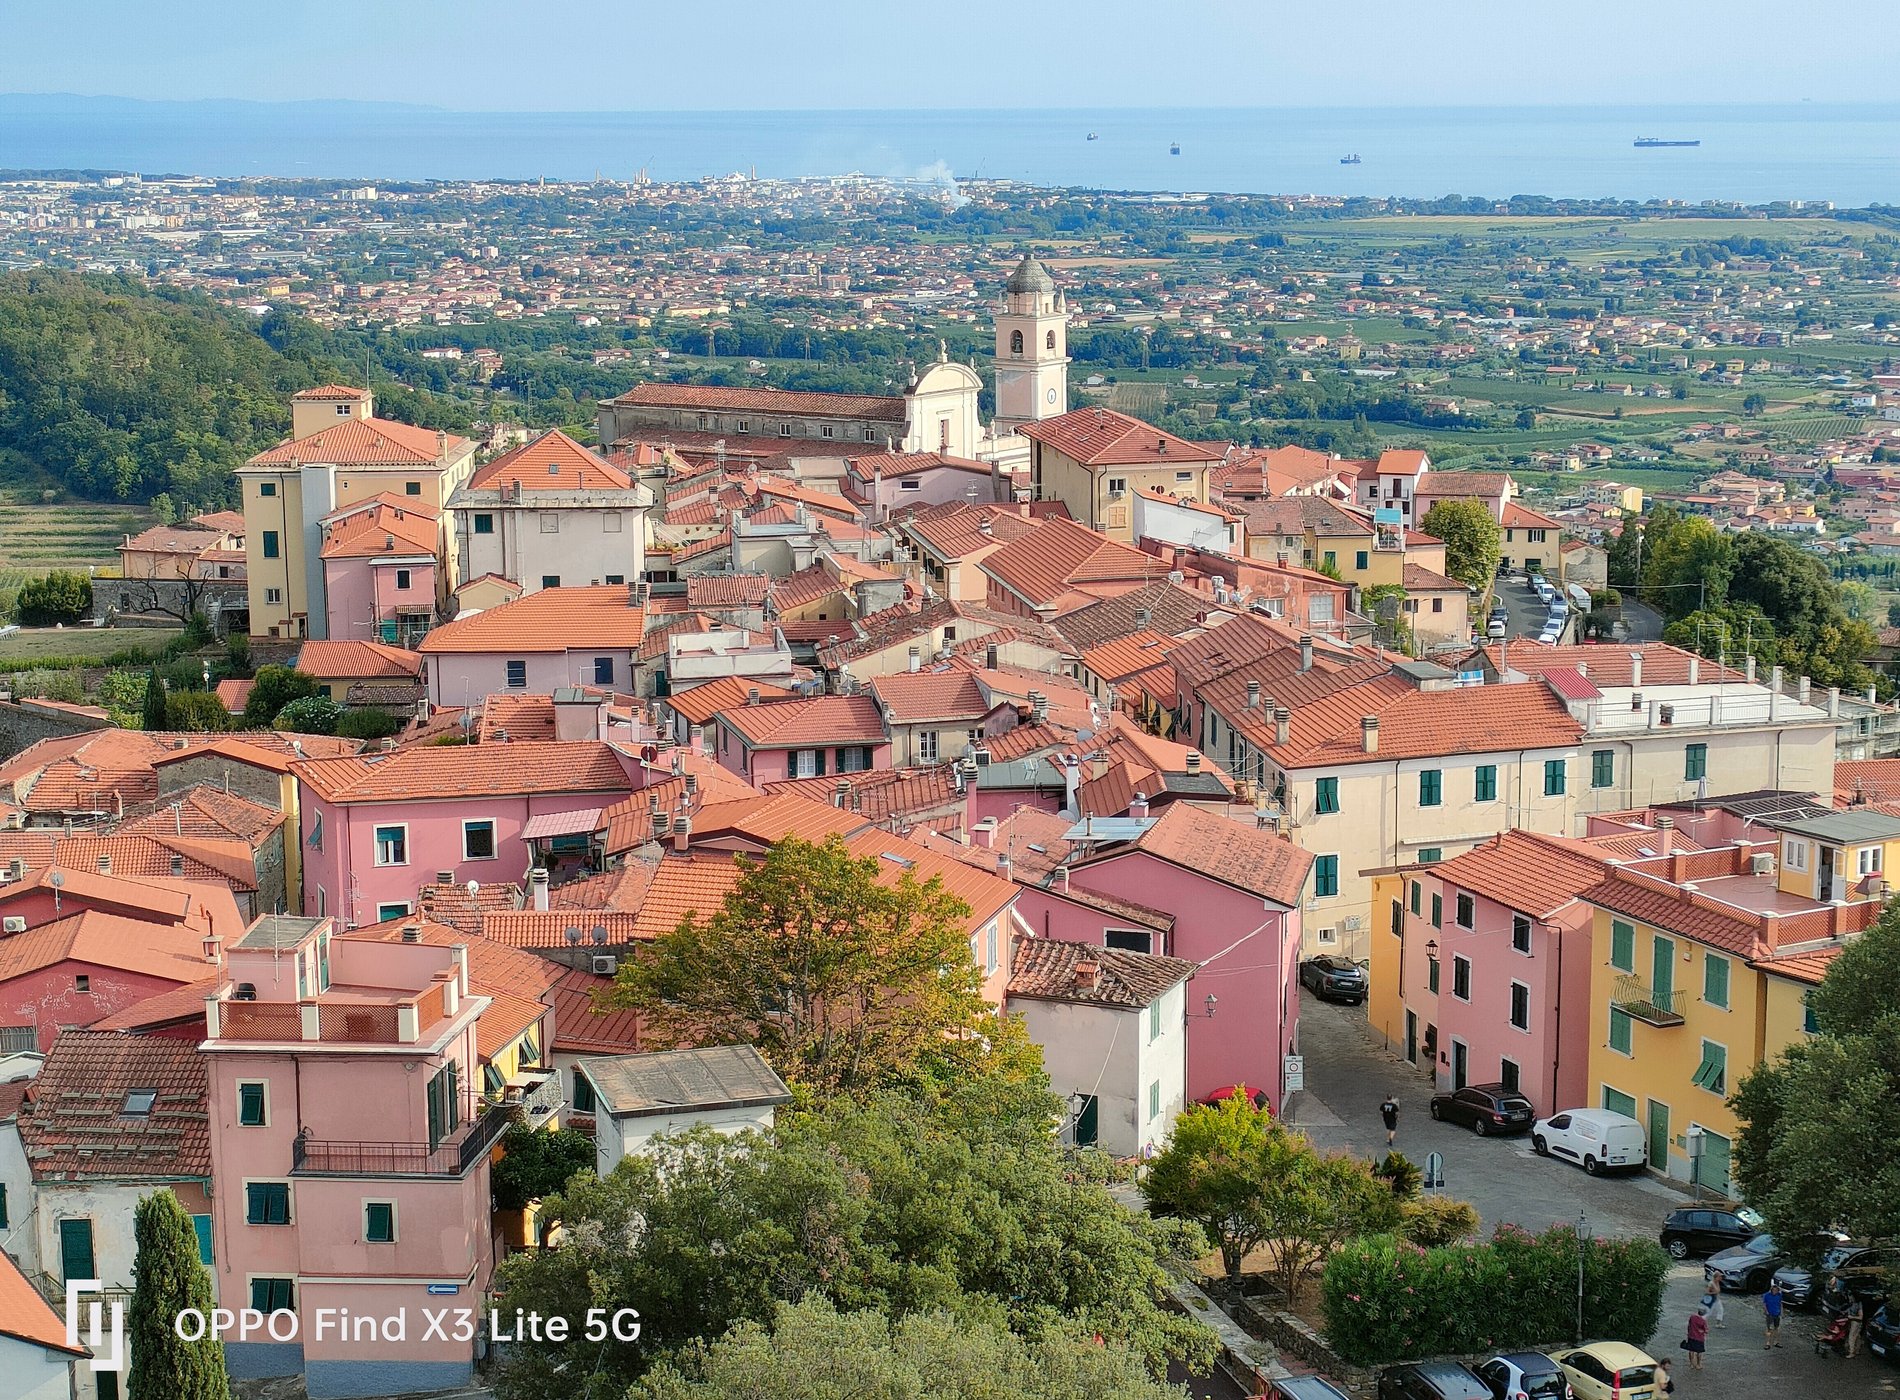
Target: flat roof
x,y
279,931
1845,827
684,1081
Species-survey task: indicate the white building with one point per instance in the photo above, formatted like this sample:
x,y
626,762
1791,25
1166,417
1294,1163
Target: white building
x,y
551,514
1113,1030
35,1361
1032,349
728,1088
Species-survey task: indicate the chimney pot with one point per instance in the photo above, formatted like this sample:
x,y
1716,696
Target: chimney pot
x,y
1253,695
1087,972
105,865
682,829
1306,651
752,695
1369,733
538,888
1193,761
1282,726
989,657
985,832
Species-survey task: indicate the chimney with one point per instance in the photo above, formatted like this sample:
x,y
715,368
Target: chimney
x,y
692,785
445,877
1087,974
1062,878
105,865
752,694
840,793
682,829
1282,726
1144,619
1802,689
178,866
412,933
1636,668
989,657
1253,695
1834,702
538,889
1774,679
1139,807
1002,865
16,869
1748,669
985,832
663,826
1369,733
1695,670
214,949
1665,834
916,659
1193,762
1306,651
633,595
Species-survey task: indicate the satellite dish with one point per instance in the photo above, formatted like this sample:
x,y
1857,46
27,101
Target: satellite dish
x,y
473,888
600,933
649,753
571,934
58,881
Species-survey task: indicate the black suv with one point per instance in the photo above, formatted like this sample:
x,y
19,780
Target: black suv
x,y
1432,1380
1697,1230
1334,979
1485,1109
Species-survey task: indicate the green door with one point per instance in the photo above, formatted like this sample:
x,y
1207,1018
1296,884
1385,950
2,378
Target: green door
x,y
1663,973
1713,1171
1088,1122
75,1249
1659,1135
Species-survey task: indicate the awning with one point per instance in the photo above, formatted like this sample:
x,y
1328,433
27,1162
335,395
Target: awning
x,y
562,824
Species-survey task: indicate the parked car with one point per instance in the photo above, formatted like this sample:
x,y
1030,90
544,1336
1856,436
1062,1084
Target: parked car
x,y
1699,1230
1594,1138
1883,1334
1485,1109
1609,1371
1524,1375
1863,1272
1797,1281
1334,979
1745,1267
1432,1380
1304,1388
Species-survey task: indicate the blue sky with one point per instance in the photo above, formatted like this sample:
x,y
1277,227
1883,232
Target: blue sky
x,y
638,55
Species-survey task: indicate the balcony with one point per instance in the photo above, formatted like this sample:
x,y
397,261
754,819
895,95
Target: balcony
x,y
536,1099
452,1157
1638,1000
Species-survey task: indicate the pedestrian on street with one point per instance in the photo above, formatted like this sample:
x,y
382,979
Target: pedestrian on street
x,y
1771,1315
1712,1301
1856,1314
1697,1341
1389,1110
1665,1378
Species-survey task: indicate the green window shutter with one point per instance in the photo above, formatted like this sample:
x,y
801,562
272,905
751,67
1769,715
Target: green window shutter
x,y
1555,771
1430,784
1431,974
1622,946
1326,876
1326,795
1616,1101
201,1226
1603,768
1418,897
1619,1031
1715,980
1438,911
1485,788
1695,762
1712,1073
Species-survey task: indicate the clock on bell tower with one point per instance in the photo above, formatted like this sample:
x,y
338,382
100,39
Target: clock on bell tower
x,y
1032,348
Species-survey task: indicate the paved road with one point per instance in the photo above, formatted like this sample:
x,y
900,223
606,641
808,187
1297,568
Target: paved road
x,y
1641,623
1527,611
1348,1075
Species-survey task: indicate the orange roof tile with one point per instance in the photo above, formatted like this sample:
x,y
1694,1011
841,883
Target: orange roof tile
x,y
1048,969
823,719
173,951
26,1315
328,392
553,461
581,1027
917,697
700,703
430,771
78,1128
790,403
1101,437
1042,568
552,620
353,660
362,442
1128,656
1532,873
1235,853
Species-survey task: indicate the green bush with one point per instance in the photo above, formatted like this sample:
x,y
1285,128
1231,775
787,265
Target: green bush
x,y
312,714
367,724
189,711
1388,1299
60,596
1438,1220
276,687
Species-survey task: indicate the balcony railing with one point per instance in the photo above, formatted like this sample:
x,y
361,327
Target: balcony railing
x,y
537,1099
1636,998
451,1157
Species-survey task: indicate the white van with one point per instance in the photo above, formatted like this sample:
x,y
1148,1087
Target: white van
x,y
1598,1139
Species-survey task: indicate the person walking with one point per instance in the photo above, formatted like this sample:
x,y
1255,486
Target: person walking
x,y
1856,1314
1712,1300
1665,1378
1771,1315
1389,1110
1697,1341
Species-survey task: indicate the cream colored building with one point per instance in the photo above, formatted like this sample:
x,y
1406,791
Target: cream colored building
x,y
339,454
1094,459
1032,349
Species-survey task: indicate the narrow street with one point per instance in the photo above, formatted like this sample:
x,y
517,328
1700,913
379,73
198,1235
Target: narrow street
x,y
1347,1077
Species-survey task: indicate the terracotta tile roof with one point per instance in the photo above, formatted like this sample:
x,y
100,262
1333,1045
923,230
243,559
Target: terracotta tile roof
x,y
678,886
548,929
183,1005
1236,853
173,539
762,820
1101,437
1026,739
829,502
766,402
1463,484
1418,578
1047,969
822,720
1674,911
1806,968
580,1027
905,624
1522,870
618,888
694,549
660,626
727,590
433,772
26,1315
363,442
1608,663
1126,656
1517,517
234,694
517,719
699,704
552,620
885,464
1043,567
383,529
805,587
352,660
553,461
209,860
328,392
1866,780
78,1128
1400,461
917,697
1172,611
204,811
263,748
90,771
225,522
503,1020
452,906
894,799
173,951
630,822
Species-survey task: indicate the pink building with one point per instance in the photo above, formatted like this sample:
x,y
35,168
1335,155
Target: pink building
x,y
897,481
374,830
379,571
351,1154
550,639
802,738
1493,967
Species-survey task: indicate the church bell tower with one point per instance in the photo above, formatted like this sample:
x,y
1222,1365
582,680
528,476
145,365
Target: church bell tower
x,y
1032,349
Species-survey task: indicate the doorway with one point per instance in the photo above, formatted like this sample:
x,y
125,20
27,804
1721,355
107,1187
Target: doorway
x,y
1659,1135
75,1249
1460,1065
1088,1122
1411,1037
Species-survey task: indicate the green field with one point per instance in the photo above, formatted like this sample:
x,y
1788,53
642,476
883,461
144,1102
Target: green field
x,y
36,538
81,643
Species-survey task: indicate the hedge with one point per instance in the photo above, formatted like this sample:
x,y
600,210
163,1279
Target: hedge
x,y
1386,1299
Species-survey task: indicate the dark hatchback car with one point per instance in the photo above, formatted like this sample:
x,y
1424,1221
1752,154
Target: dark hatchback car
x,y
1485,1109
1883,1334
1334,979
1747,1267
1698,1230
1432,1380
1304,1388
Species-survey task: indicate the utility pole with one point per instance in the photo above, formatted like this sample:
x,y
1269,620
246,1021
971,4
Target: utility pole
x,y
1583,1243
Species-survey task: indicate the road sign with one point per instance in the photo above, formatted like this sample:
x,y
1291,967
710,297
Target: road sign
x,y
1294,1077
444,1290
1434,1172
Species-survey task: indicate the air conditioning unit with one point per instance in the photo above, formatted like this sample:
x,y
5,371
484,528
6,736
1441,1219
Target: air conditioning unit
x,y
13,923
1761,863
606,964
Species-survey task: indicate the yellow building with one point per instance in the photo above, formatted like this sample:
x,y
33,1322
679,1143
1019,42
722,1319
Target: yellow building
x,y
1532,542
1094,459
1700,967
338,454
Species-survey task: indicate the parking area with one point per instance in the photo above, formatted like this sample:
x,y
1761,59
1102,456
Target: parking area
x,y
1525,611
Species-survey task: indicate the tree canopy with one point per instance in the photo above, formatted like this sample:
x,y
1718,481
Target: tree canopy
x,y
1473,541
166,1280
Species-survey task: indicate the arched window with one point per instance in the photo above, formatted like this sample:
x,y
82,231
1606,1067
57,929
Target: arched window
x,y
1049,341
1015,342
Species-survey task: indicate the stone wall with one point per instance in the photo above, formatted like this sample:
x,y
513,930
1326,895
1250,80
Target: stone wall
x,y
24,723
216,770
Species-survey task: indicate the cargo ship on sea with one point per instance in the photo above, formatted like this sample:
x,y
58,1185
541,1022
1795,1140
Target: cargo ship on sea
x,y
1644,142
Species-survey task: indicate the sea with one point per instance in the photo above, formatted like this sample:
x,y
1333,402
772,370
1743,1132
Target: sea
x,y
1846,154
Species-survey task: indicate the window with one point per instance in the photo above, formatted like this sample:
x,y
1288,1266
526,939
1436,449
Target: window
x,y
1712,1073
1431,787
1603,768
1154,1100
201,1227
1622,946
267,488
1794,853
323,962
868,435
1438,605
1867,860
615,578
1619,1030
990,959
550,580
1537,536
550,522
1464,910
1326,796
927,746
253,1104
1484,783
392,845
273,595
444,1102
1695,762
1117,485
1129,939
138,1103
1438,911
856,759
1332,560
1398,918
270,544
379,1222
1015,342
1508,1075
583,1096
603,670
1326,877
1521,933
1715,980
1808,1021
484,523
1154,1022
825,430
82,982
1520,1006
1183,478
402,580
269,1295
1554,770
1360,560
412,488
806,763
267,1203
386,912
1461,977
478,840
517,675
1418,897
1049,341
1431,855
1431,975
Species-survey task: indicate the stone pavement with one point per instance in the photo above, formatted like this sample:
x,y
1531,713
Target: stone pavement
x,y
1348,1074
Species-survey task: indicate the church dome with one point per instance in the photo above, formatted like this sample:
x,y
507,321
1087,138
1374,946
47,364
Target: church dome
x,y
1030,276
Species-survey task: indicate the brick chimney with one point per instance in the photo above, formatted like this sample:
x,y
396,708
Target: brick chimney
x,y
1088,973
682,831
1665,834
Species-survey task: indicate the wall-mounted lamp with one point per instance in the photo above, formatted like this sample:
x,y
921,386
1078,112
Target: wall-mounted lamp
x,y
1431,949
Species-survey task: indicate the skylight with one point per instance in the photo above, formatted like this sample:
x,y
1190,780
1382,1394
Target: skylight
x,y
138,1103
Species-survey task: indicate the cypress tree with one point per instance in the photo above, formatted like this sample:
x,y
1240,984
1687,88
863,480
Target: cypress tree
x,y
154,718
167,1279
